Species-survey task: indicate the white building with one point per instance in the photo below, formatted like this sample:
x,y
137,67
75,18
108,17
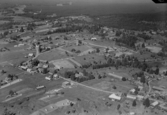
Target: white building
x,y
94,39
133,97
115,96
155,103
30,54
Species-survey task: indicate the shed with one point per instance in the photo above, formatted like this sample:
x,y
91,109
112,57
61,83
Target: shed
x,y
155,103
94,39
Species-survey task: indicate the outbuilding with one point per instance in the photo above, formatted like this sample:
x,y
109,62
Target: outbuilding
x,y
30,54
133,97
155,103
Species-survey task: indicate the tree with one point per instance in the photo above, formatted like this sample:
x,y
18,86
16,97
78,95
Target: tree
x,y
118,107
45,71
143,45
10,76
21,29
123,79
146,102
114,87
85,73
35,62
97,50
136,90
157,70
55,72
118,33
134,103
3,71
11,92
143,79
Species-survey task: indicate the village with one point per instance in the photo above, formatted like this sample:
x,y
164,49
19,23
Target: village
x,y
72,66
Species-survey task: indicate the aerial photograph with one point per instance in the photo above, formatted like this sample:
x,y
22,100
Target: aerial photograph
x,y
83,57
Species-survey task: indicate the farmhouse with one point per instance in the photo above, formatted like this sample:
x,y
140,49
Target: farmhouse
x,y
94,39
115,96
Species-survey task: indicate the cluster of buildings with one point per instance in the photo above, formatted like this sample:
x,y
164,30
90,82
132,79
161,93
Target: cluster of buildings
x,y
39,67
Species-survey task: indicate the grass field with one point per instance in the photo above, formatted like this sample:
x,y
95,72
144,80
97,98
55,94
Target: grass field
x,y
52,55
3,22
102,43
21,19
14,57
90,58
63,63
80,48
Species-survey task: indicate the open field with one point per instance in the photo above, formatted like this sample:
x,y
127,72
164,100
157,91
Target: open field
x,y
122,71
2,42
80,48
52,55
19,9
101,43
108,86
14,57
3,22
62,64
90,58
21,19
154,49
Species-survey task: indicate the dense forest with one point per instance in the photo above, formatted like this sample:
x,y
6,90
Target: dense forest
x,y
141,22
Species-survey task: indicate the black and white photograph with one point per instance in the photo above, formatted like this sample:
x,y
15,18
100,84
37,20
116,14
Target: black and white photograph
x,y
83,57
